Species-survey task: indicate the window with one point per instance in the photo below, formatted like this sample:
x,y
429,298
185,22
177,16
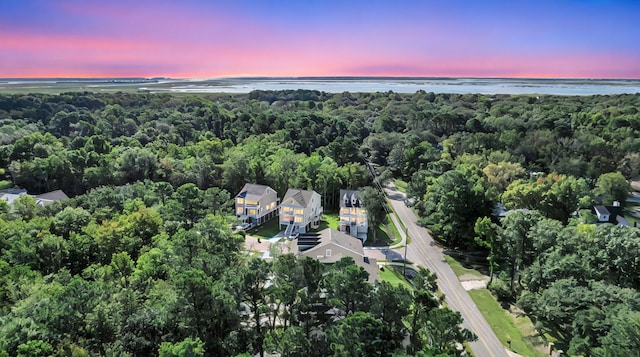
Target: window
x,y
239,210
240,201
298,211
344,211
252,212
286,209
327,253
298,219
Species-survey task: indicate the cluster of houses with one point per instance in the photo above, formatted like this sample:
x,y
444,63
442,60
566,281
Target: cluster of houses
x,y
300,213
300,210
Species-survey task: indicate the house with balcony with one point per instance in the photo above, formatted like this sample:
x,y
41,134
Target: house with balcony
x,y
256,204
353,215
300,211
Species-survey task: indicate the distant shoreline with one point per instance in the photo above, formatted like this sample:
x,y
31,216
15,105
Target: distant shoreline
x,y
239,85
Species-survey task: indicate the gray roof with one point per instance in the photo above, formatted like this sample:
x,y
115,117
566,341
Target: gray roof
x,y
298,197
329,237
253,192
601,210
350,198
622,221
57,195
13,191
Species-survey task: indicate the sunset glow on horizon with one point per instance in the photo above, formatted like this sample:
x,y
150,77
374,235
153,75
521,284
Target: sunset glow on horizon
x,y
207,39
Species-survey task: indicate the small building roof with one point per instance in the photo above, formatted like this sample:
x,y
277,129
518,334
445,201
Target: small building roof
x,y
254,192
13,191
57,195
601,210
622,221
297,197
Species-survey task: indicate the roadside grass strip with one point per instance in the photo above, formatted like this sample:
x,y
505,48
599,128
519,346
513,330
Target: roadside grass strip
x,y
519,330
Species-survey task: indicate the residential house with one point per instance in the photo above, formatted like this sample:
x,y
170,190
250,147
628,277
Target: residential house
x,y
256,204
11,194
50,197
300,211
611,214
328,246
353,215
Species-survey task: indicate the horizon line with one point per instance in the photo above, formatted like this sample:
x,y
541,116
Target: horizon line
x,y
236,77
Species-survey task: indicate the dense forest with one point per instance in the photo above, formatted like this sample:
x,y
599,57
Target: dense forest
x,y
141,260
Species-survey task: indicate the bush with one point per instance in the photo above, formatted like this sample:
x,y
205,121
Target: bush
x,y
501,290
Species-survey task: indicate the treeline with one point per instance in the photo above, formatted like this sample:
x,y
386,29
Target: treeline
x,y
142,270
549,158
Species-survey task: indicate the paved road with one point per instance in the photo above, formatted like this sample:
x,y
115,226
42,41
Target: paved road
x,y
424,252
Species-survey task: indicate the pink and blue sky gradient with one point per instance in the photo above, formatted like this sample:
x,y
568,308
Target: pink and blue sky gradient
x,y
431,38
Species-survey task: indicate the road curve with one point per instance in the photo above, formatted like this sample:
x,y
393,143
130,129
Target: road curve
x,y
423,251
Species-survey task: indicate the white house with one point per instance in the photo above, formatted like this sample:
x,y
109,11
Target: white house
x,y
300,211
256,204
603,213
353,215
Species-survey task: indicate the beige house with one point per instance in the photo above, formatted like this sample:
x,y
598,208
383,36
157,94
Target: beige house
x,y
256,204
328,246
353,215
300,211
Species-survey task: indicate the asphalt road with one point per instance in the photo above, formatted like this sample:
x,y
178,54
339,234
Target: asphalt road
x,y
423,251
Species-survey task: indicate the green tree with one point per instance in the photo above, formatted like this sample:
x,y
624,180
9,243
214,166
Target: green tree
x,y
375,203
347,286
35,348
487,237
452,204
390,305
555,196
360,334
254,292
501,174
612,186
25,207
70,220
189,347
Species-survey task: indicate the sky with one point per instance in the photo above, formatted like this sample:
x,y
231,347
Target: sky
x,y
427,38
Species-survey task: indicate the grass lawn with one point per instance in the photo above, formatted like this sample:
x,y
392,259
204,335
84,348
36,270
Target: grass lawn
x,y
332,220
393,230
266,230
391,275
518,330
460,270
386,234
400,185
382,238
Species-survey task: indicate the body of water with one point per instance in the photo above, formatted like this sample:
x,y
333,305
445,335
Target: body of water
x,y
460,86
335,85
